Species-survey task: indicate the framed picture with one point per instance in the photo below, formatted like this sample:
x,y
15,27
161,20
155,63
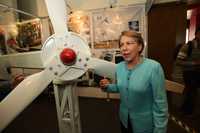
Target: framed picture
x,y
29,35
109,23
24,36
133,25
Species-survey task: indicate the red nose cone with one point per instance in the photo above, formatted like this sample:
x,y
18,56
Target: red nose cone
x,y
68,56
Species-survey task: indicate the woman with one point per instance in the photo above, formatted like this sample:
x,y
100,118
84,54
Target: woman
x,y
141,84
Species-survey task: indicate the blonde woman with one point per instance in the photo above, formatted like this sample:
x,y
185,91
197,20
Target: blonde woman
x,y
140,82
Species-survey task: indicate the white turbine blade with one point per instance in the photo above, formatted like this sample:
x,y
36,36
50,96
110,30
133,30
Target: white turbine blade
x,y
58,15
102,68
107,69
24,60
22,96
19,60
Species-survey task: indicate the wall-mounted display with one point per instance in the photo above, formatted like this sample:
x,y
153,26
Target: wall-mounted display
x,y
101,28
24,36
109,23
133,25
79,22
30,34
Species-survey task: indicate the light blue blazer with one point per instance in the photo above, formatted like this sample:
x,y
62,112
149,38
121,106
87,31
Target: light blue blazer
x,y
142,96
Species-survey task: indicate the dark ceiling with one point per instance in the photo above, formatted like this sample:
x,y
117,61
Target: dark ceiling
x,y
192,2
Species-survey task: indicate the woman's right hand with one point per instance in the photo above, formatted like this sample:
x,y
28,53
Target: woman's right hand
x,y
17,79
104,83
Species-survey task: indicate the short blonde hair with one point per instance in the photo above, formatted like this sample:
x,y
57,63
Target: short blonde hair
x,y
136,35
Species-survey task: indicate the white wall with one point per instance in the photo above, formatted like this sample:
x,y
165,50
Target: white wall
x,y
29,6
38,7
164,1
78,5
41,8
7,17
96,4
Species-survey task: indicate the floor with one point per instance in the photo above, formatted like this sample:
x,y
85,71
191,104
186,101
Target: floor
x,y
97,116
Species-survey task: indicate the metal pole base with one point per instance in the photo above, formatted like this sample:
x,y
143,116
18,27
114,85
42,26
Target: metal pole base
x,y
67,106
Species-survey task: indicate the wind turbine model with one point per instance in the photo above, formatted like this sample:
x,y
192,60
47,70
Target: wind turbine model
x,y
65,56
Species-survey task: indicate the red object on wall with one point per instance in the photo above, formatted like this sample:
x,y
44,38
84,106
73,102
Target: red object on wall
x,y
12,42
198,17
194,22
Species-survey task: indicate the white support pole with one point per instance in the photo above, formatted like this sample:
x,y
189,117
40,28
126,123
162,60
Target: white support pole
x,y
67,106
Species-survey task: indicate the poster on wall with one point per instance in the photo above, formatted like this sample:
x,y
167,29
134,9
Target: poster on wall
x,y
109,23
133,25
24,36
30,35
79,22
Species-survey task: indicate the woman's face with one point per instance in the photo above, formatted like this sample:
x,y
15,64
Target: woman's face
x,y
129,48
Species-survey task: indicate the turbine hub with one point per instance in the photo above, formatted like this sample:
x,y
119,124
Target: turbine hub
x,y
68,56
